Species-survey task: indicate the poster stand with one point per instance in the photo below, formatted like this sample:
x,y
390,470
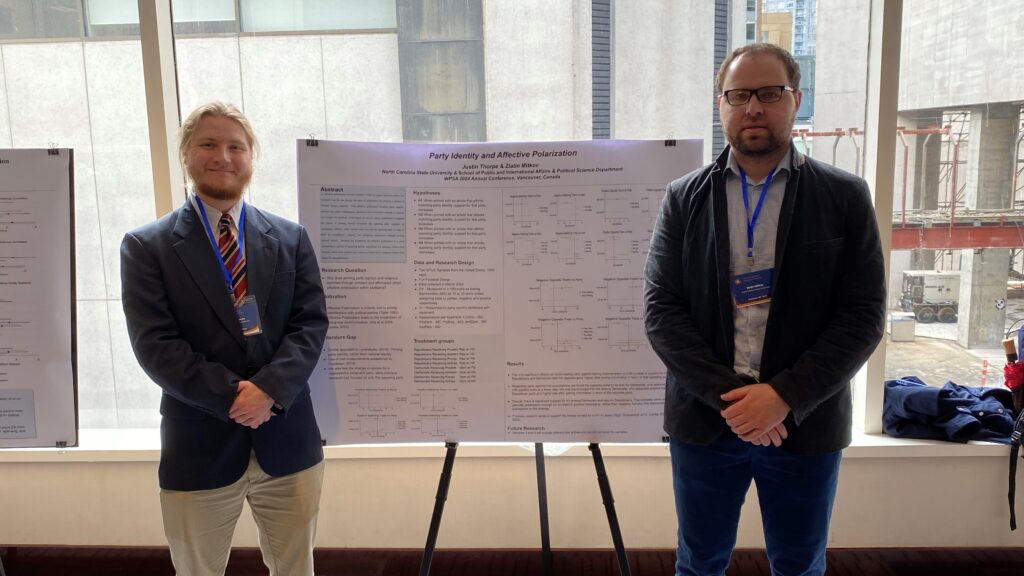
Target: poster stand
x,y
606,497
542,500
442,495
609,507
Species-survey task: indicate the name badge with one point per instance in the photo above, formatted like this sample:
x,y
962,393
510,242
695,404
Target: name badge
x,y
249,316
752,288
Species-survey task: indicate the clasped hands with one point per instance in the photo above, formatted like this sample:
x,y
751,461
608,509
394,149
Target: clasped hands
x,y
755,414
252,406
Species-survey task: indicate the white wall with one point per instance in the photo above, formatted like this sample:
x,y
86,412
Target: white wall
x,y
944,496
960,53
538,71
342,87
663,71
737,24
841,79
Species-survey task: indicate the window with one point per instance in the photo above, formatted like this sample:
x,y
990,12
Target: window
x,y
297,15
118,18
204,16
441,64
87,94
957,257
298,68
30,19
111,18
336,83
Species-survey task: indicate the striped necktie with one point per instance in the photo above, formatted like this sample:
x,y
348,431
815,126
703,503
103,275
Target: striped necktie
x,y
234,259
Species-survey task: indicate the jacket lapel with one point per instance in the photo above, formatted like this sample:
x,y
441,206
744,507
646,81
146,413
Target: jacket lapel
x,y
781,236
196,253
786,212
720,237
260,256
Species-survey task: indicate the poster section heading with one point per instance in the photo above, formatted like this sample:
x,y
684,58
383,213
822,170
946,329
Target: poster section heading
x,y
487,292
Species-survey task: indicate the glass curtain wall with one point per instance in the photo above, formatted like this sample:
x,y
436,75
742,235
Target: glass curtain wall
x,y
503,70
71,76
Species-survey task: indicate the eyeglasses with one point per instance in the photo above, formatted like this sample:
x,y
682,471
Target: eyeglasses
x,y
765,95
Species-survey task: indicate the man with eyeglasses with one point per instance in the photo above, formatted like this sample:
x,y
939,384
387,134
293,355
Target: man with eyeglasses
x,y
764,295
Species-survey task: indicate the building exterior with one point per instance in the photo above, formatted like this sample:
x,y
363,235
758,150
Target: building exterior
x,y
804,19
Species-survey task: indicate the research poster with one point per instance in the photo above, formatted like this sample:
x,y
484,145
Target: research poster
x,y
37,380
489,291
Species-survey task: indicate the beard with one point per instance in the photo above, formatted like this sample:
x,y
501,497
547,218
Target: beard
x,y
220,192
759,147
765,144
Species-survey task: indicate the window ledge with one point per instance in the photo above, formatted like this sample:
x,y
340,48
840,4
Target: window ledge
x,y
142,445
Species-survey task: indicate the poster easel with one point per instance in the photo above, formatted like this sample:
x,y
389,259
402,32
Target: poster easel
x,y
488,291
546,555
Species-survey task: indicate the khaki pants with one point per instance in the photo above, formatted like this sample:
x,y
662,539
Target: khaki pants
x,y
199,525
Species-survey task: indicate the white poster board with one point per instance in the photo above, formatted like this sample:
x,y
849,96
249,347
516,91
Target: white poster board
x,y
37,300
488,291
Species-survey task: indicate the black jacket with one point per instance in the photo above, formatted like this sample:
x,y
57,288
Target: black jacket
x,y
826,315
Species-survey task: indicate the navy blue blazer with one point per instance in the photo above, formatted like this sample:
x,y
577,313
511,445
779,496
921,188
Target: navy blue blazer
x,y
186,336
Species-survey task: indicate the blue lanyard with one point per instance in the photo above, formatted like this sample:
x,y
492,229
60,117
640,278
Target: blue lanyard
x,y
752,220
213,242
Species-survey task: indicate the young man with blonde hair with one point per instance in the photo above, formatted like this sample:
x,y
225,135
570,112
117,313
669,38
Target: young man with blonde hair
x,y
226,313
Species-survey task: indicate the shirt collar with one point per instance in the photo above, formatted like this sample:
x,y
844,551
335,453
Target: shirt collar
x,y
214,214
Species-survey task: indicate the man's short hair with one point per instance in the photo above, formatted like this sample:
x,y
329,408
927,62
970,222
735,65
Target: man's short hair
x,y
221,109
792,68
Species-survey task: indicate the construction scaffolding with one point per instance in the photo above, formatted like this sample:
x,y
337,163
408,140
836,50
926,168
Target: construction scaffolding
x,y
938,217
1017,189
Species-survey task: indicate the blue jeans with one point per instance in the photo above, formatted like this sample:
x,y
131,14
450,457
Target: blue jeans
x,y
795,494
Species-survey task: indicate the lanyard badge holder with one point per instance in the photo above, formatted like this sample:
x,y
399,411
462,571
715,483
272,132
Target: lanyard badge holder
x,y
755,287
245,308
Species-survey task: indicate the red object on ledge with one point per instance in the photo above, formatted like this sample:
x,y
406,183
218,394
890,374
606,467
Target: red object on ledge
x,y
1013,375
